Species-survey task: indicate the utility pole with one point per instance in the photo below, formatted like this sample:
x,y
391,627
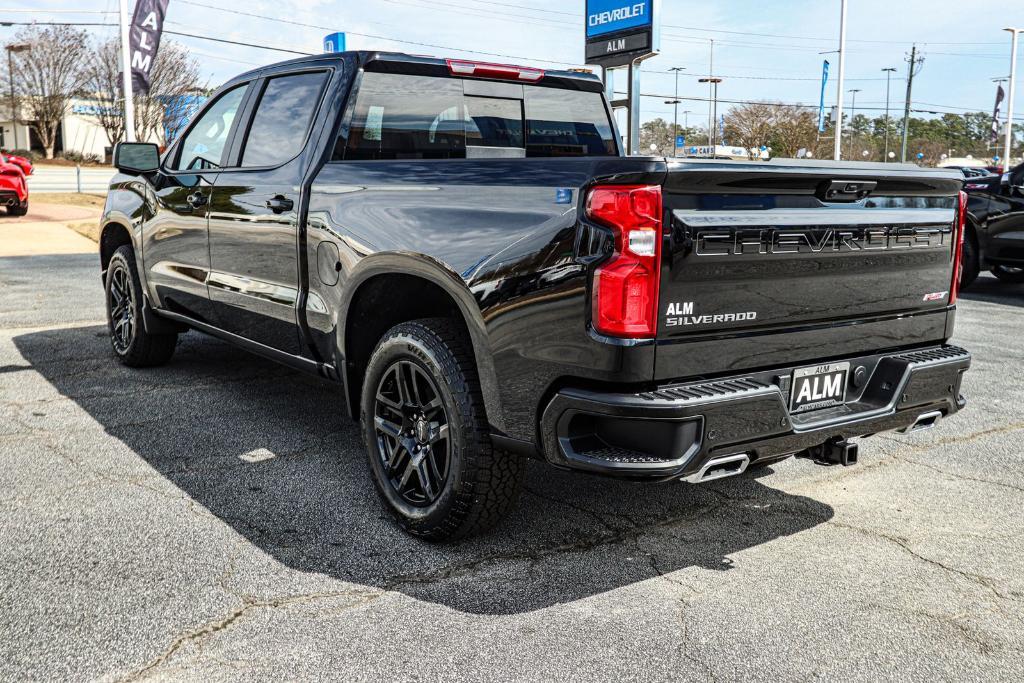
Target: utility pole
x,y
1008,146
126,74
675,112
713,112
888,76
853,131
711,90
837,148
912,70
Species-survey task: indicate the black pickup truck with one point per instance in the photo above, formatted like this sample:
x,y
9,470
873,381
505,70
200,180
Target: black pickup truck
x,y
465,249
994,236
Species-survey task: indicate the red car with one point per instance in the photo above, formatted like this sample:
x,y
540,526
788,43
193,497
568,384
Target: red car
x,y
13,189
21,162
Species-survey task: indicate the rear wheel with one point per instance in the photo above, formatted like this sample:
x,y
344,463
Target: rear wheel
x,y
132,344
19,210
427,435
970,259
1009,274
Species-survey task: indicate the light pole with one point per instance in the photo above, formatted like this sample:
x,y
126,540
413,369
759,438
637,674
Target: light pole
x,y
837,148
675,108
853,113
711,90
713,118
11,49
1008,147
888,75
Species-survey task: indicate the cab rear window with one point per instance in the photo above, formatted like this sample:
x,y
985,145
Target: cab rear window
x,y
398,116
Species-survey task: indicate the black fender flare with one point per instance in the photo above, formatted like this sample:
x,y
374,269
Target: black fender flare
x,y
451,283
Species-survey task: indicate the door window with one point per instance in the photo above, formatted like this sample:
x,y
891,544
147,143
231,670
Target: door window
x,y
203,145
282,119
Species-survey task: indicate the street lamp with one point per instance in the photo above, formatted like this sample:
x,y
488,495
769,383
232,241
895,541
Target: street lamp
x,y
11,49
675,108
1007,149
853,114
888,75
714,81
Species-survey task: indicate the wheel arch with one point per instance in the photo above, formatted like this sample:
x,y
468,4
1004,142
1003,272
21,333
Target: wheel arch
x,y
389,289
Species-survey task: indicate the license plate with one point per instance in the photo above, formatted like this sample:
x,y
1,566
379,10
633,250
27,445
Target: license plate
x,y
820,386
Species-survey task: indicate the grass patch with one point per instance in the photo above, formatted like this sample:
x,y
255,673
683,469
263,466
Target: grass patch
x,y
95,201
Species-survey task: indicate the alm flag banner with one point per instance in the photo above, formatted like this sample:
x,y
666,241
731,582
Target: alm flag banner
x,y
144,40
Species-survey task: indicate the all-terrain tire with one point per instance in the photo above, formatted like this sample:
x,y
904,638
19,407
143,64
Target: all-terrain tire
x,y
970,260
131,343
480,485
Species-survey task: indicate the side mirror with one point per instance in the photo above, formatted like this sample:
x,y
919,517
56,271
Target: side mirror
x,y
136,157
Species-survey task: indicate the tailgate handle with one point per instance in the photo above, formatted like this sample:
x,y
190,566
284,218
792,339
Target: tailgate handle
x,y
844,190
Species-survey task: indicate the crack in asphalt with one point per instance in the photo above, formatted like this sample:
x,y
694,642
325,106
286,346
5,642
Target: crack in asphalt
x,y
226,621
983,581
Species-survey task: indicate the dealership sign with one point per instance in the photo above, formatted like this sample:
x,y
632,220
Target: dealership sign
x,y
620,31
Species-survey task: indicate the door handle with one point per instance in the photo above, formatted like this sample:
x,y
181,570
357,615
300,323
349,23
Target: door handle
x,y
279,204
196,199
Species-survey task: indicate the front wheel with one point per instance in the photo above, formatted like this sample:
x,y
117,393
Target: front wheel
x,y
1009,274
132,344
427,436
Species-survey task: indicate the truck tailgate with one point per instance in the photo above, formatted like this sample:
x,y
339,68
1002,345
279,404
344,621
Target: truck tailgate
x,y
757,255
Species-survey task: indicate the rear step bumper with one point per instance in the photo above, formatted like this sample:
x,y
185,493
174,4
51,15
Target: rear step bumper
x,y
707,430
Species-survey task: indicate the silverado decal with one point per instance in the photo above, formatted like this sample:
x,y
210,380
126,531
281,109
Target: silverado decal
x,y
681,315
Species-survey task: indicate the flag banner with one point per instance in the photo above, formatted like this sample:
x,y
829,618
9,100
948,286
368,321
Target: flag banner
x,y
995,115
821,105
144,40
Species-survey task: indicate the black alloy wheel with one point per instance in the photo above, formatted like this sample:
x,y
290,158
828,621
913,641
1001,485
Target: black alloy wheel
x,y
132,343
412,433
121,304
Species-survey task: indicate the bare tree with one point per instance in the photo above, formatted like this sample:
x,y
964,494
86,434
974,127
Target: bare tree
x,y
783,128
175,74
103,76
47,76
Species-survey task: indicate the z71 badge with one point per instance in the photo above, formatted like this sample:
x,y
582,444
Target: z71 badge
x,y
681,315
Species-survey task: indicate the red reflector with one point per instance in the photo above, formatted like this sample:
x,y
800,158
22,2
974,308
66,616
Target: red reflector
x,y
510,72
958,247
625,293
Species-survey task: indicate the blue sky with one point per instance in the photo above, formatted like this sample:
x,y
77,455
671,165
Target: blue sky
x,y
765,50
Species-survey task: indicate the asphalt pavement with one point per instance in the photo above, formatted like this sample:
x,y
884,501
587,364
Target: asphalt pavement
x,y
214,520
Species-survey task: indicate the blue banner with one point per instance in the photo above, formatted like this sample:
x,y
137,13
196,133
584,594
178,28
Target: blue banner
x,y
821,105
611,16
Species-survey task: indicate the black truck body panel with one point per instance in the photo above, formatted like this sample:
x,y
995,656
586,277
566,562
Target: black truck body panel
x,y
274,259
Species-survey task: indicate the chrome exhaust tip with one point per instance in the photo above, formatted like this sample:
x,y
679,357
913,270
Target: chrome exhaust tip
x,y
720,468
924,421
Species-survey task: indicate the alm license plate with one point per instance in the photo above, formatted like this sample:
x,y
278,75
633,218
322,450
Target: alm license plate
x,y
820,386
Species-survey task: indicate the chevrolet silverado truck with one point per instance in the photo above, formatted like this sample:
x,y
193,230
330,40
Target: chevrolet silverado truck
x,y
994,232
466,251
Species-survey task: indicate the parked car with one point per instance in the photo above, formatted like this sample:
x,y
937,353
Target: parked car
x,y
13,188
464,249
24,164
994,239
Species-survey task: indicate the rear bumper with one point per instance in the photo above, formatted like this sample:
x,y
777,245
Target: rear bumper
x,y
675,430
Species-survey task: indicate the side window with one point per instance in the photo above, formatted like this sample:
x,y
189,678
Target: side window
x,y
282,118
406,117
203,145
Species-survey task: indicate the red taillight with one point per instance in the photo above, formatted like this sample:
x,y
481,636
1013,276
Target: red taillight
x,y
511,72
625,298
958,248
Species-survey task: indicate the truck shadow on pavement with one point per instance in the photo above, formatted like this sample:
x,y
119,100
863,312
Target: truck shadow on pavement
x,y
271,453
987,288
